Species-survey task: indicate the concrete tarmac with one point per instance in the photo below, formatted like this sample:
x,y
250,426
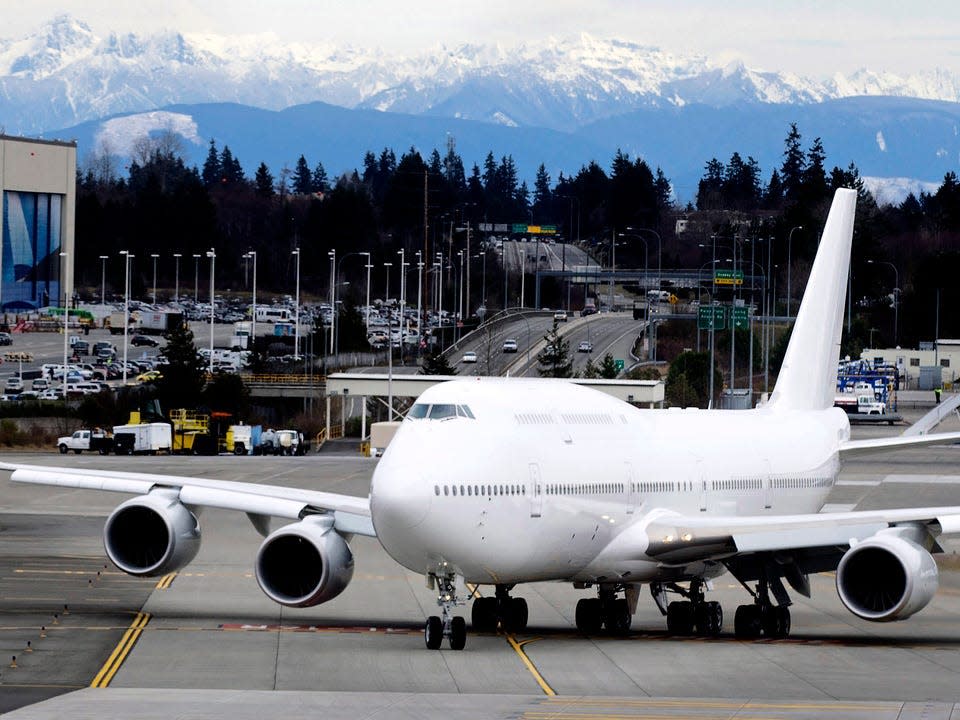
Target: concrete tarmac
x,y
214,645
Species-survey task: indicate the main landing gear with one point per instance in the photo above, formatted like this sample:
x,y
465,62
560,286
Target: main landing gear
x,y
695,614
507,612
604,611
763,617
446,626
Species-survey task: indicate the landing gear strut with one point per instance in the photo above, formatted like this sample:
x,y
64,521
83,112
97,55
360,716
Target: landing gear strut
x,y
510,613
695,614
604,611
446,626
763,617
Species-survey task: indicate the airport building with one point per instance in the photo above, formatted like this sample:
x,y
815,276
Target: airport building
x,y
38,190
934,364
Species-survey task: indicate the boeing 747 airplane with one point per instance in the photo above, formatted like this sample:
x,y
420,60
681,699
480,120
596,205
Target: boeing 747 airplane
x,y
500,482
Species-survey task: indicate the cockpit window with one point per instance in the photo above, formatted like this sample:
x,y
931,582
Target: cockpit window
x,y
418,411
439,411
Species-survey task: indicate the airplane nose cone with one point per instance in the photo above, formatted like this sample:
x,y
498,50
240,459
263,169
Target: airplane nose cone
x,y
400,497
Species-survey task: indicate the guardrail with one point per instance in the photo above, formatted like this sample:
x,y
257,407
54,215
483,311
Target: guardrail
x,y
282,379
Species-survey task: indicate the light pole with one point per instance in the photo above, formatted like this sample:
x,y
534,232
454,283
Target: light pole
x,y
386,303
253,307
336,291
296,310
176,282
789,264
368,266
154,256
66,321
196,276
419,300
126,310
896,298
211,253
403,294
653,326
332,254
103,279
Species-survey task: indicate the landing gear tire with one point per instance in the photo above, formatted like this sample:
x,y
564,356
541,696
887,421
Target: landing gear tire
x,y
458,633
776,622
747,623
433,633
617,617
589,620
483,615
514,618
709,618
680,617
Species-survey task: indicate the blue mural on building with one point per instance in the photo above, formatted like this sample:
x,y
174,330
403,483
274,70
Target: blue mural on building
x,y
30,260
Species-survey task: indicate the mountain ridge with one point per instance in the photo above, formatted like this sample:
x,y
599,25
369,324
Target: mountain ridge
x,y
64,74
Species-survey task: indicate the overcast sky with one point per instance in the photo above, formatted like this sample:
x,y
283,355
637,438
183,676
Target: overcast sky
x,y
812,37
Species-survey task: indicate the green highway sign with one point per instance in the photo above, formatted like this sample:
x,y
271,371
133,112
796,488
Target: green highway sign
x,y
711,317
740,318
728,277
618,364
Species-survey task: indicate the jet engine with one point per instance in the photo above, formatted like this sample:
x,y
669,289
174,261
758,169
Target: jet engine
x,y
886,577
152,535
305,563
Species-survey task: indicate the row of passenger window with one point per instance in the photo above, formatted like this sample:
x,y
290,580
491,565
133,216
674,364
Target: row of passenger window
x,y
479,490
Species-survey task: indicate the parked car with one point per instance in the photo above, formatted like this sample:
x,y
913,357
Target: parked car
x,y
469,357
6,338
13,385
146,340
510,345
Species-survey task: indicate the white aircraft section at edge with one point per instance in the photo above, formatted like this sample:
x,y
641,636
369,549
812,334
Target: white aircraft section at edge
x,y
506,481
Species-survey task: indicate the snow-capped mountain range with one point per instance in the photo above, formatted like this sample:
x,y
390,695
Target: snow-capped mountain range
x,y
65,74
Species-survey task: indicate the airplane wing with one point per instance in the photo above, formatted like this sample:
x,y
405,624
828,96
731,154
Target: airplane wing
x,y
680,539
870,446
351,514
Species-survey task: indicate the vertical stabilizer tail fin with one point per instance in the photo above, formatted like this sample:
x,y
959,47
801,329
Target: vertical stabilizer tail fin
x,y
808,377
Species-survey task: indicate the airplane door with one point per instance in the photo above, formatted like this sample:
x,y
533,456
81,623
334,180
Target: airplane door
x,y
703,493
766,481
536,491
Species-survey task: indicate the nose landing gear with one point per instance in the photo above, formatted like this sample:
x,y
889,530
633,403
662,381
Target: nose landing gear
x,y
454,628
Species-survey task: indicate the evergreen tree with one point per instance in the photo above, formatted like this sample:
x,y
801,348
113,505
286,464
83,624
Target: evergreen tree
x,y
184,375
710,187
608,368
541,189
436,363
815,175
773,196
794,165
302,177
688,381
212,170
554,359
264,181
318,181
227,393
664,192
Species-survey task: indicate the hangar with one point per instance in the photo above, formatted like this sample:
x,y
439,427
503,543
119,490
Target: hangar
x,y
38,181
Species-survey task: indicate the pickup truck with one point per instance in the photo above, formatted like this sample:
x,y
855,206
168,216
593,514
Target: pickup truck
x,y
93,440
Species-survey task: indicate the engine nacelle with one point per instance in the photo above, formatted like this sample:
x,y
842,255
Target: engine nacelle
x,y
886,577
305,563
151,535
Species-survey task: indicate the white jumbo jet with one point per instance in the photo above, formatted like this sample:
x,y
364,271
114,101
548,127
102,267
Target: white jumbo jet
x,y
505,481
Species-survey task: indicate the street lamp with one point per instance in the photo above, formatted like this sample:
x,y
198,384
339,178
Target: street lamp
x,y
176,282
196,276
789,264
211,253
296,312
386,304
103,279
154,256
253,306
126,310
66,321
369,267
653,326
332,254
896,298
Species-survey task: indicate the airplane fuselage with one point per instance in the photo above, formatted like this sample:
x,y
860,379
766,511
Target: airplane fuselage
x,y
576,471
